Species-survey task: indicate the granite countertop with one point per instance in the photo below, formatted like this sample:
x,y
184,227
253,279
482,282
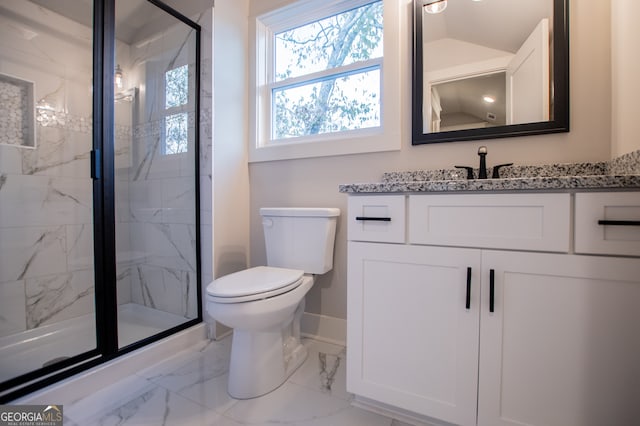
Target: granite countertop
x,y
620,173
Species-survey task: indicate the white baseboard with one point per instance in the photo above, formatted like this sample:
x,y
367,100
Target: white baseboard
x,y
324,328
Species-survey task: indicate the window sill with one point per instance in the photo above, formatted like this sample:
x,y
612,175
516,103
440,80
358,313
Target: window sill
x,y
331,145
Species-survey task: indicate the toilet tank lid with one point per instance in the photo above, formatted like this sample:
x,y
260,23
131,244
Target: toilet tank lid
x,y
300,211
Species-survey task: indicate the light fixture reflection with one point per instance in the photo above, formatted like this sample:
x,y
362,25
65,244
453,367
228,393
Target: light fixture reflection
x,y
488,99
118,78
436,6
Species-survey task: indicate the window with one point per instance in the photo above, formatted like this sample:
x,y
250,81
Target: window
x,y
327,74
323,80
176,94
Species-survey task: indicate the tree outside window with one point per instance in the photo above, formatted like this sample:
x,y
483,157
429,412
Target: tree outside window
x,y
328,74
176,133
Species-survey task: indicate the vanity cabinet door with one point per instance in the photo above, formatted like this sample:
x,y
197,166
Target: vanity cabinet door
x,y
562,347
412,338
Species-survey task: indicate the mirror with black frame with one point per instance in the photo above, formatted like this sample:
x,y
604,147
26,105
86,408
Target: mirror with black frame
x,y
487,69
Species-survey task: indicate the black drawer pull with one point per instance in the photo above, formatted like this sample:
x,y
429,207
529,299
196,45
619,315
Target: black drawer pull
x,y
468,299
375,219
492,290
619,222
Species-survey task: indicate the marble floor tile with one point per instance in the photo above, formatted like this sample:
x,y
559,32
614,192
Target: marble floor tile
x,y
202,378
150,405
351,416
325,369
190,388
210,392
179,360
289,404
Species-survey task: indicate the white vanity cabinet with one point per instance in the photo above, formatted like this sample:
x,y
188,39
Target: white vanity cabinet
x,y
476,331
412,342
562,346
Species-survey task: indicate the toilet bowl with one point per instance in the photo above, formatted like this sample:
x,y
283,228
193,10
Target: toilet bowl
x,y
266,346
264,305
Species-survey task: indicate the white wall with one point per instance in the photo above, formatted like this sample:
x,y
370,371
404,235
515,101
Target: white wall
x,y
314,182
230,170
625,33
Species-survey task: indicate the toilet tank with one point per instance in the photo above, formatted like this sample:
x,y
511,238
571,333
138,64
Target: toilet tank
x,y
300,238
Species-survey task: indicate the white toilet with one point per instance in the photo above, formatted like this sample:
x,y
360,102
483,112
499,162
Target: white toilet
x,y
264,304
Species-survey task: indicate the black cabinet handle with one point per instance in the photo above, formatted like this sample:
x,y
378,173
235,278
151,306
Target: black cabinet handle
x,y
492,290
375,219
619,222
468,299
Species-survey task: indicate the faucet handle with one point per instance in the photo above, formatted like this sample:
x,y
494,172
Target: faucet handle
x,y
469,171
496,170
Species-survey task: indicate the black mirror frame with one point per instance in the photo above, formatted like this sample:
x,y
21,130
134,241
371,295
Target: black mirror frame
x,y
560,88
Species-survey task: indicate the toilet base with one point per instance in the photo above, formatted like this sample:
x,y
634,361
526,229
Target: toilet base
x,y
261,362
266,346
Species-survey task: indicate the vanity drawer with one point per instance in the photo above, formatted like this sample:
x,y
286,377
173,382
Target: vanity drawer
x,y
378,218
538,222
619,233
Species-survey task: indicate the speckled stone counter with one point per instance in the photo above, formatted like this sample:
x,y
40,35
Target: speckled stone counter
x,y
621,173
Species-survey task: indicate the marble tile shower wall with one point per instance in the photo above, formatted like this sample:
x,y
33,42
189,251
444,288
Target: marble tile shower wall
x,y
46,262
156,191
156,227
46,218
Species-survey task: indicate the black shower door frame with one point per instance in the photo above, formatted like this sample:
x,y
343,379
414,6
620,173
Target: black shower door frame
x,y
103,175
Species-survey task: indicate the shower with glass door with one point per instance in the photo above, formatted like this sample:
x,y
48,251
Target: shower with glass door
x,y
99,183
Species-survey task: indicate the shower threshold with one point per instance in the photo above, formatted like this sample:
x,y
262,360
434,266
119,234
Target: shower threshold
x,y
30,350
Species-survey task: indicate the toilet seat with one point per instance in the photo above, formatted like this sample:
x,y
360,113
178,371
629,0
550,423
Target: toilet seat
x,y
256,283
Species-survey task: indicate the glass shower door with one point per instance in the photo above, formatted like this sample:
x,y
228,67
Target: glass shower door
x,y
47,308
156,171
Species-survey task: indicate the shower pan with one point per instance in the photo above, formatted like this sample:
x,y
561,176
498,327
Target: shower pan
x,y
99,184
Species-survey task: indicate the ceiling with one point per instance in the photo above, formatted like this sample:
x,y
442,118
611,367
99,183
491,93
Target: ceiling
x,y
136,20
496,24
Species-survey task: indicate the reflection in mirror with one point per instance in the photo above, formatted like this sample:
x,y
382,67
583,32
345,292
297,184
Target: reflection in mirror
x,y
468,103
489,68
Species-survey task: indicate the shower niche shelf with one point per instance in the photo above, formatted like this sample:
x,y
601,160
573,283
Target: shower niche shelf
x,y
17,112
